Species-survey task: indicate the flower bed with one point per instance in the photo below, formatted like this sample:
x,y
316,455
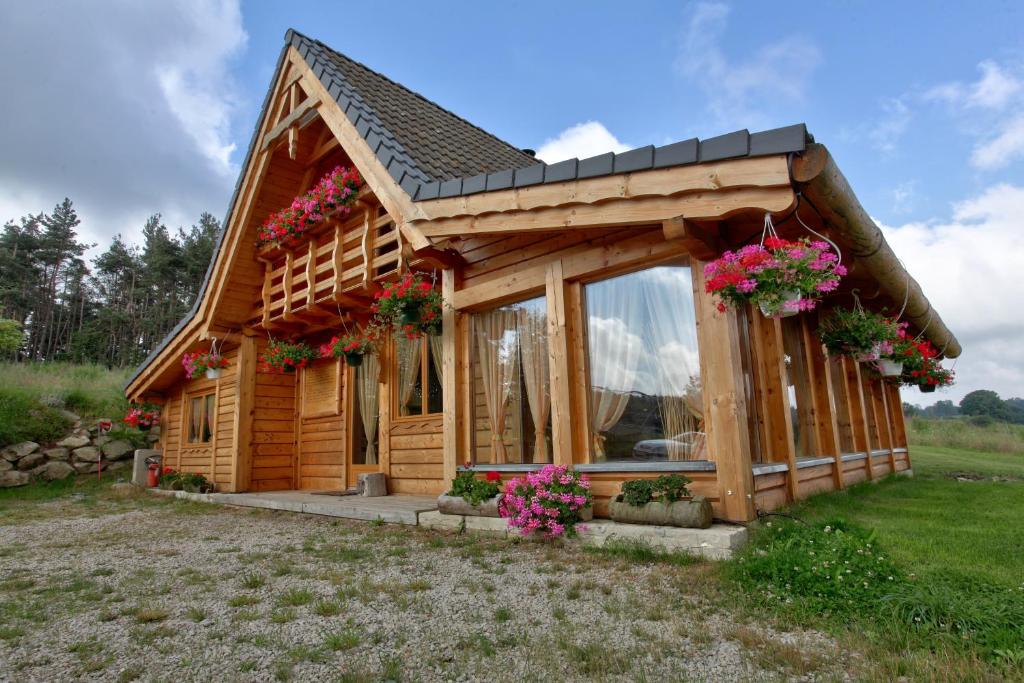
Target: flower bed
x,y
782,277
282,357
551,501
411,306
334,193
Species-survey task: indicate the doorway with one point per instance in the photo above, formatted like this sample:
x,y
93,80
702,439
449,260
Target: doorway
x,y
363,410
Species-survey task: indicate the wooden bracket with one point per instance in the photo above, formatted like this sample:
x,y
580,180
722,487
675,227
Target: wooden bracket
x,y
697,239
438,258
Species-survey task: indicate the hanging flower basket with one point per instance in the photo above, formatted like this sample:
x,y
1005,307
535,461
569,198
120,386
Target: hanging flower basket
x,y
864,335
411,306
933,376
333,194
781,277
285,357
889,368
200,362
352,346
143,417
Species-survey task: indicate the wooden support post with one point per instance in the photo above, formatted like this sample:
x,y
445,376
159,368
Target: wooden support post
x,y
725,409
558,367
245,406
186,409
289,264
778,419
311,276
449,377
887,432
858,411
338,259
367,245
576,316
823,407
268,271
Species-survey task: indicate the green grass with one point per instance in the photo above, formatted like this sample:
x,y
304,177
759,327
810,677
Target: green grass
x,y
31,393
966,434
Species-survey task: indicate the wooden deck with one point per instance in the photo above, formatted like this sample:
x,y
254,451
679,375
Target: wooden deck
x,y
396,509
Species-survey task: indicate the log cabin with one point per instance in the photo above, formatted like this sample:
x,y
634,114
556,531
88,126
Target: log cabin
x,y
576,326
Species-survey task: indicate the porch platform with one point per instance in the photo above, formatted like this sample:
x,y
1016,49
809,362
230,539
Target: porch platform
x,y
396,509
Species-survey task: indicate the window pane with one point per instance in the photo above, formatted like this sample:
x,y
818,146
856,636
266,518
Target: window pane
x,y
409,375
195,419
835,368
798,387
208,423
365,411
435,392
512,399
645,395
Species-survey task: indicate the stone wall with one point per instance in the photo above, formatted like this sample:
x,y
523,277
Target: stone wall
x,y
85,450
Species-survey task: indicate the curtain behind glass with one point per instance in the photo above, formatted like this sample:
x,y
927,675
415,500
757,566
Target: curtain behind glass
x,y
498,359
368,393
407,352
533,348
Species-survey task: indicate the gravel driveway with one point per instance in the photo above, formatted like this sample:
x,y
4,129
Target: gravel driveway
x,y
139,588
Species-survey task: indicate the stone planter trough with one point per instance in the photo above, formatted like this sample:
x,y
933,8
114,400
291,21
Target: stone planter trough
x,y
692,514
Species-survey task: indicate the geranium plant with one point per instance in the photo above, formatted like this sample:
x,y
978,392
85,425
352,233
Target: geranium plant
x,y
914,354
932,376
412,306
665,489
334,193
283,356
473,490
200,362
782,277
550,501
352,345
855,332
143,417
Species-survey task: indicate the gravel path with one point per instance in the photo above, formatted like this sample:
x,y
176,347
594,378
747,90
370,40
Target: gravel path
x,y
161,591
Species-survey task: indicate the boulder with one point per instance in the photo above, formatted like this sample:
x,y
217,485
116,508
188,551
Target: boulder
x,y
86,467
58,453
71,417
12,478
31,461
4,465
101,440
86,454
115,466
74,441
54,470
19,450
117,450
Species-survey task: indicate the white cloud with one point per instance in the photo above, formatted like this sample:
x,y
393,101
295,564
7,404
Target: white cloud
x,y
995,89
580,141
969,266
1004,148
129,111
739,92
886,133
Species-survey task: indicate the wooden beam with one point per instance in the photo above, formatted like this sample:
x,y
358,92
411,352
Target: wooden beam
x,y
245,401
449,378
323,150
558,367
778,418
711,205
293,118
700,242
438,258
823,405
858,411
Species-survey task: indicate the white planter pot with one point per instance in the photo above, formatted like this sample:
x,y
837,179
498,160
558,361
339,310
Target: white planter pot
x,y
871,355
889,368
782,310
213,373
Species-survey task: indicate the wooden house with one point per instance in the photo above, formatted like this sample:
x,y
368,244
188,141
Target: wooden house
x,y
577,328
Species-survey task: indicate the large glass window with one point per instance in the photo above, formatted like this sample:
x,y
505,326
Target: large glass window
x,y
365,411
645,392
801,400
511,390
200,418
839,395
418,365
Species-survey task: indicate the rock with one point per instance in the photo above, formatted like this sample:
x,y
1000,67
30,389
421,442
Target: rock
x,y
57,453
86,454
74,441
123,489
71,417
117,450
81,432
4,465
31,460
54,470
86,467
13,478
153,436
19,450
101,440
115,466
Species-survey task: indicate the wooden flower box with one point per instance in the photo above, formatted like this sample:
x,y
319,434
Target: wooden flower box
x,y
694,513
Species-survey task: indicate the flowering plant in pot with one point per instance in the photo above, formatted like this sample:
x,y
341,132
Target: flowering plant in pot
x,y
282,357
781,277
858,333
143,417
412,305
353,346
914,355
551,501
932,376
664,501
470,495
199,362
334,193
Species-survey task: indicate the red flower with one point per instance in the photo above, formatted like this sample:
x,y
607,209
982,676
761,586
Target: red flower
x,y
493,476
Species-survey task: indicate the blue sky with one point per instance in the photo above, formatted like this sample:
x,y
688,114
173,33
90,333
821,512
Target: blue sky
x,y
136,108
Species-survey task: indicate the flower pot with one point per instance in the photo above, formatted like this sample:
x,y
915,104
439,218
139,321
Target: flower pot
x,y
411,315
213,373
692,514
145,428
868,356
783,309
889,368
354,359
457,505
926,388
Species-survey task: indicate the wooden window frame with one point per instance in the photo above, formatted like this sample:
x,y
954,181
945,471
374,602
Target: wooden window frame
x,y
203,396
424,376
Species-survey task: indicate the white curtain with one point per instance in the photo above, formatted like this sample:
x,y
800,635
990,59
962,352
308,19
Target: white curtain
x,y
368,393
408,352
671,336
498,360
615,351
533,348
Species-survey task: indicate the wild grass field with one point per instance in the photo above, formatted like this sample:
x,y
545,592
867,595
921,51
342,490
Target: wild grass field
x,y
33,394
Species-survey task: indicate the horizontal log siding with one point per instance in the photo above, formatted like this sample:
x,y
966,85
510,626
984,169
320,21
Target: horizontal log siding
x,y
416,461
273,438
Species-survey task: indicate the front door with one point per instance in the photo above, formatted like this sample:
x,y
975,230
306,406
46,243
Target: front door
x,y
363,409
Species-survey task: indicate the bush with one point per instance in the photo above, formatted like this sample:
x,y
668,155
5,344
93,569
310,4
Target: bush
x,y
475,491
23,418
666,489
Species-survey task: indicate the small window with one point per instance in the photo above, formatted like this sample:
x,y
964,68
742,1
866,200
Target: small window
x,y
201,418
418,365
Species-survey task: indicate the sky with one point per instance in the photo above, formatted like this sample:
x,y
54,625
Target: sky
x,y
133,108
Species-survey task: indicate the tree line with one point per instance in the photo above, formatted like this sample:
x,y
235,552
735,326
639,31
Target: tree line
x,y
979,403
113,310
